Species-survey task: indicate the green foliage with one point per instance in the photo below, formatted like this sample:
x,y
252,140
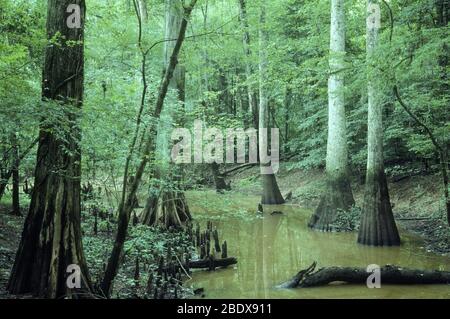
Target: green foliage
x,y
216,80
348,220
21,47
148,244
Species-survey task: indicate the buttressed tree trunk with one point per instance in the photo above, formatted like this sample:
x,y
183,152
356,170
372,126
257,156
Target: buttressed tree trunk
x,y
271,193
167,207
378,226
51,239
338,193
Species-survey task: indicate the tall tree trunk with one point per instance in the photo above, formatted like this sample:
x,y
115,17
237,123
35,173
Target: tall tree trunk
x,y
252,101
51,239
143,10
378,226
287,106
173,19
126,207
442,10
4,182
338,193
271,193
15,177
219,179
166,206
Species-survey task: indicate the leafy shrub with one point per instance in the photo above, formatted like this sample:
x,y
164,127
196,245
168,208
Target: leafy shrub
x,y
348,220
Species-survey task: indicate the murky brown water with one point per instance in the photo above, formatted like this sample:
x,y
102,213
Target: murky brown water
x,y
272,249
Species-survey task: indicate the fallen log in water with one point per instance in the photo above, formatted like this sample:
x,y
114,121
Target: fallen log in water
x,y
207,263
212,263
389,274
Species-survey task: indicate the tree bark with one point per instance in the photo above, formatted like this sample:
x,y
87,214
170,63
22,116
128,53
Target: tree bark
x,y
169,206
219,179
143,10
173,19
51,239
338,193
15,177
4,182
166,209
271,192
378,226
213,263
287,105
249,70
389,274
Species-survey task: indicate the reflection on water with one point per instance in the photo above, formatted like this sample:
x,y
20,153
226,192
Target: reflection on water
x,y
272,249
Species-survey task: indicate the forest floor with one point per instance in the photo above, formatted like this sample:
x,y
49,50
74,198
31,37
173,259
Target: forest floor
x,y
10,231
143,242
417,200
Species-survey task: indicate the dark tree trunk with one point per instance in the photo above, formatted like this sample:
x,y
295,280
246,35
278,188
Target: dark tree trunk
x,y
271,192
51,239
287,105
219,179
442,10
337,196
148,217
15,179
378,226
3,185
167,209
15,193
212,263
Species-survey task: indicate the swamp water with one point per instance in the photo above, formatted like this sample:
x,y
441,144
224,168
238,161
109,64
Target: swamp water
x,y
273,248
